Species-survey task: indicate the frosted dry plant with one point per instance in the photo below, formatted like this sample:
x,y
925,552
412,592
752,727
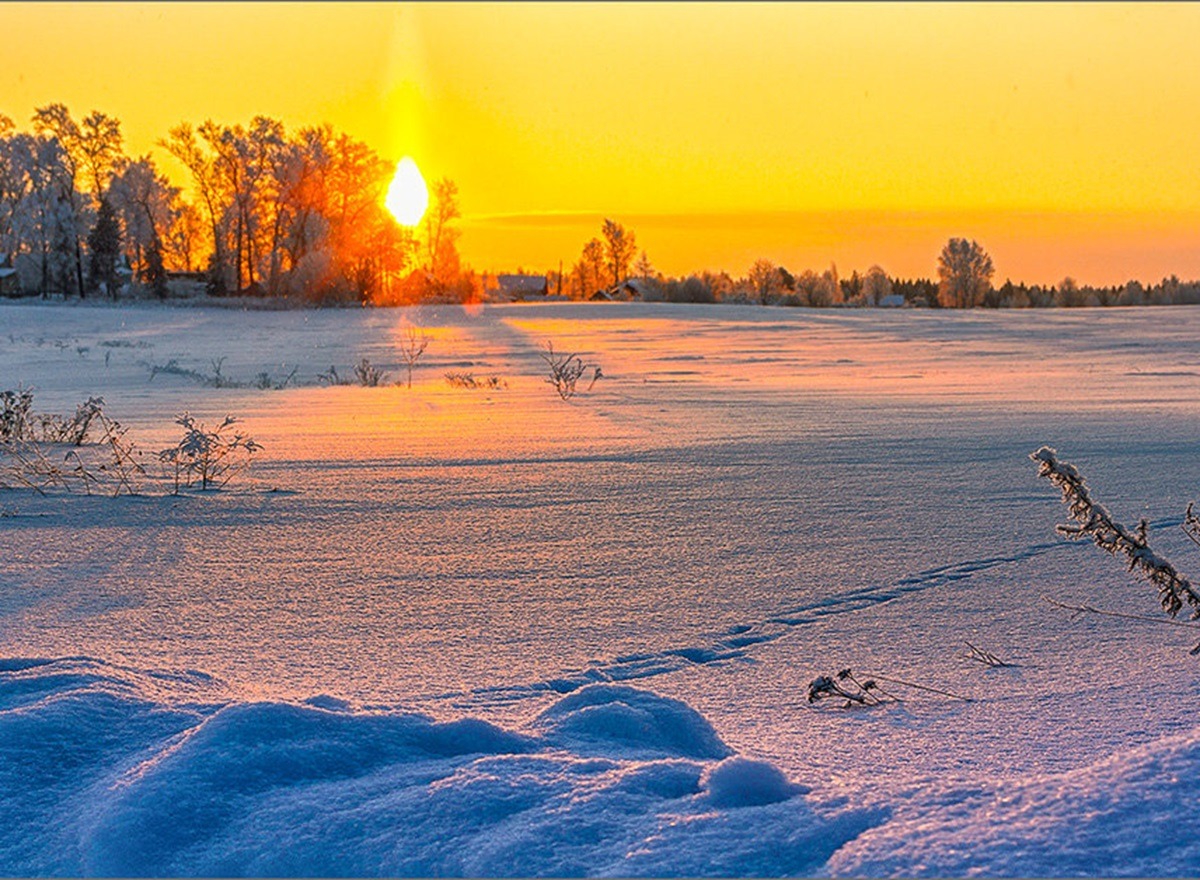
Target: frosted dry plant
x,y
865,691
412,346
109,463
844,686
1092,520
566,370
211,457
470,380
987,658
365,374
331,377
73,430
266,382
216,378
15,413
369,376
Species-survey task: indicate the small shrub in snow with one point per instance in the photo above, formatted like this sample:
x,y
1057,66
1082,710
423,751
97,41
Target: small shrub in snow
x,y
211,457
109,464
331,377
15,411
216,378
565,371
469,380
370,377
1094,521
73,430
412,347
365,374
266,382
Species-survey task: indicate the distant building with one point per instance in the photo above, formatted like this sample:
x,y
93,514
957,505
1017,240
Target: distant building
x,y
630,289
10,283
892,301
522,287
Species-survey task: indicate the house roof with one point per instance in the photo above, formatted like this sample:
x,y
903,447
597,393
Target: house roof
x,y
7,272
637,285
522,283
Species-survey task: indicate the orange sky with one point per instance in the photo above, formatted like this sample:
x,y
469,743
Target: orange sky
x,y
1062,136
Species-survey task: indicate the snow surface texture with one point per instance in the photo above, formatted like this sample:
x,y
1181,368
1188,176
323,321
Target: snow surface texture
x,y
490,632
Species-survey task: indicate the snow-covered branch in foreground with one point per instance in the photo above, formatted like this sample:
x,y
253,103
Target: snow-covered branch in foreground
x,y
1095,521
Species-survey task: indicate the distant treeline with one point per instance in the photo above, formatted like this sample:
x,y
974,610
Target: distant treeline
x,y
300,215
965,273
923,293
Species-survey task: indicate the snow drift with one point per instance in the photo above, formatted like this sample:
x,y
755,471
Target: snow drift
x,y
107,771
100,778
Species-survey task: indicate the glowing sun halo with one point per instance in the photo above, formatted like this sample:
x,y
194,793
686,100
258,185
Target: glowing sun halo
x,y
407,196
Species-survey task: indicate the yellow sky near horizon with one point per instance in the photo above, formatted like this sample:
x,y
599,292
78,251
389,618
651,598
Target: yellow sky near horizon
x,y
1061,135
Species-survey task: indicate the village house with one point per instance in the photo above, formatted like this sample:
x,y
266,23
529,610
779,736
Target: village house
x,y
518,288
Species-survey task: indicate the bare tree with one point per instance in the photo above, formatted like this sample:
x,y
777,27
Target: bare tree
x,y
412,346
100,150
590,268
184,146
643,268
965,274
766,281
441,239
619,248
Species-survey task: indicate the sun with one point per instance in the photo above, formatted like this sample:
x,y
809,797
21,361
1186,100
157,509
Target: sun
x,y
407,195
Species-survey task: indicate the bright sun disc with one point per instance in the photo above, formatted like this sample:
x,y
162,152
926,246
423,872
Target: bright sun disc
x,y
407,196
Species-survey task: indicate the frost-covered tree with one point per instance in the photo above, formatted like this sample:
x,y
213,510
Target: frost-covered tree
x,y
765,281
14,185
1068,294
965,274
145,201
876,286
54,122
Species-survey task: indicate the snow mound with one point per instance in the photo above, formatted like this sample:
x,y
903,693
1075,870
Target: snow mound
x,y
741,782
102,774
1127,816
602,715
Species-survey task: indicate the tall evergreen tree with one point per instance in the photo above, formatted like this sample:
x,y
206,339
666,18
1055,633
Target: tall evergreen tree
x,y
104,245
156,273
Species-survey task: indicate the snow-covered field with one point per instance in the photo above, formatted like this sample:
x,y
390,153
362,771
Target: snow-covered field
x,y
443,630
